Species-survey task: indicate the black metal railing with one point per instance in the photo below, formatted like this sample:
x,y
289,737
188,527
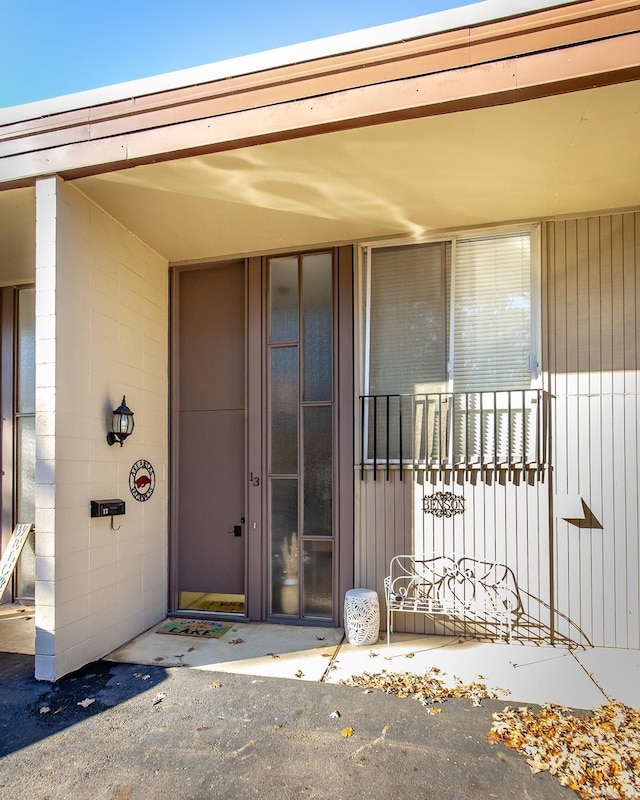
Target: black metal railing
x,y
498,429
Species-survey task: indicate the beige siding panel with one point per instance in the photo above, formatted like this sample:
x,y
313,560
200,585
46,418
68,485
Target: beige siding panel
x,y
591,280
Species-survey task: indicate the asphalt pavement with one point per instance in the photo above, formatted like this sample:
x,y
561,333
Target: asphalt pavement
x,y
116,731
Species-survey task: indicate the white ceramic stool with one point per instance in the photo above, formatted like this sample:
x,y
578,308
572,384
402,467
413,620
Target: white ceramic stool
x,y
361,616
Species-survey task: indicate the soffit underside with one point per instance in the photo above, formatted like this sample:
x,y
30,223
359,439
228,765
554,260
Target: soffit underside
x,y
560,155
567,154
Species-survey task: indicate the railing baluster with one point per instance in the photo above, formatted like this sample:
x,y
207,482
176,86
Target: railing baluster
x,y
509,433
387,435
375,437
524,430
362,426
400,454
496,453
452,413
481,428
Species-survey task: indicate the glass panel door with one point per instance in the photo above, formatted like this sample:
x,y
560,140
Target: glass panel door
x,y
17,396
300,435
25,453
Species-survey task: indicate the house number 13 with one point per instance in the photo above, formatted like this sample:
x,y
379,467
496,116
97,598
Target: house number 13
x,y
254,479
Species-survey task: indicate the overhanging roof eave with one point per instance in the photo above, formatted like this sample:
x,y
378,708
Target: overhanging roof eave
x,y
438,22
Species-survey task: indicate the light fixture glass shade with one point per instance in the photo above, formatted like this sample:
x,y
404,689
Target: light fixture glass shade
x,y
121,424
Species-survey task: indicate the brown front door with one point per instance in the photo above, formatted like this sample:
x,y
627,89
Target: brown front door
x,y
209,545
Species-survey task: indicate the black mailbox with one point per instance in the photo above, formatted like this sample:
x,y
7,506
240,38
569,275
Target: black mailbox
x,y
107,508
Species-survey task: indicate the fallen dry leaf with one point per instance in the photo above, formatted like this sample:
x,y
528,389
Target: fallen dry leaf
x,y
44,709
428,689
237,640
86,702
596,754
215,685
273,655
347,732
158,698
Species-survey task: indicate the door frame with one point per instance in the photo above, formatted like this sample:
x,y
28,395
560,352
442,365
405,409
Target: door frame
x,y
257,561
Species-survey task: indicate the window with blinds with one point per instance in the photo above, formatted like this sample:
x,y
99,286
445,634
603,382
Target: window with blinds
x,y
449,316
448,340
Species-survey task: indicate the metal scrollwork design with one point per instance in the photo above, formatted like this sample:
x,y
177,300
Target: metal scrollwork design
x,y
443,504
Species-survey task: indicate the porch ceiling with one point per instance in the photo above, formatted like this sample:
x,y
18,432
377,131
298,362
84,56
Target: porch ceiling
x,y
558,155
565,154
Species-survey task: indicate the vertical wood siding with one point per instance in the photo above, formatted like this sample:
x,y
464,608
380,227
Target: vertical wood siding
x,y
505,520
591,289
587,570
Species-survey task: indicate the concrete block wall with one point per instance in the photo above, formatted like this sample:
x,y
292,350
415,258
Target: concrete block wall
x,y
101,333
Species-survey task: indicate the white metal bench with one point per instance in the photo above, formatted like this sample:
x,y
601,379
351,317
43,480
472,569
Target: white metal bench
x,y
480,592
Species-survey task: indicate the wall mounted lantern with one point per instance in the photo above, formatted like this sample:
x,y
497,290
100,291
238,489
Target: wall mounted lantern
x,y
121,424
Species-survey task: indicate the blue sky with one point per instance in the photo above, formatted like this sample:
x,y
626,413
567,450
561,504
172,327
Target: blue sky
x,y
50,48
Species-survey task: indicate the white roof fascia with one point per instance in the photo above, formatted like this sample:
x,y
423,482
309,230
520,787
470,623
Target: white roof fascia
x,y
413,28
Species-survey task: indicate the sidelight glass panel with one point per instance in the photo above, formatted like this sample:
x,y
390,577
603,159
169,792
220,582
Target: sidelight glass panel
x,y
25,442
318,470
317,315
25,501
26,352
283,288
318,580
284,546
284,410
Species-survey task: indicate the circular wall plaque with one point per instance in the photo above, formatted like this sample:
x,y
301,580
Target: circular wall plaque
x,y
142,480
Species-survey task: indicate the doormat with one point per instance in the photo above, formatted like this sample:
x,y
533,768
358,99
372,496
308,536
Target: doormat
x,y
194,627
228,606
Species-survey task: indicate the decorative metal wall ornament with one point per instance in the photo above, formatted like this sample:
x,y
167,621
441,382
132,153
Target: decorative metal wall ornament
x,y
443,504
142,480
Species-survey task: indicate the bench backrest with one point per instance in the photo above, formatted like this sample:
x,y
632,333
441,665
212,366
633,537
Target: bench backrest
x,y
463,582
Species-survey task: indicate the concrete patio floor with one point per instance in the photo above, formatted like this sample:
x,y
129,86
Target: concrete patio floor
x,y
517,673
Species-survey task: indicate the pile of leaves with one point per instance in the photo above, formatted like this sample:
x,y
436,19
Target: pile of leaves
x,y
428,689
597,755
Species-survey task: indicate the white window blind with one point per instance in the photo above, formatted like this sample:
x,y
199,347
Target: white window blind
x,y
492,313
407,318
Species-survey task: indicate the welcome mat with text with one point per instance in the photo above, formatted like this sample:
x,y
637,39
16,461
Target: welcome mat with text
x,y
194,627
